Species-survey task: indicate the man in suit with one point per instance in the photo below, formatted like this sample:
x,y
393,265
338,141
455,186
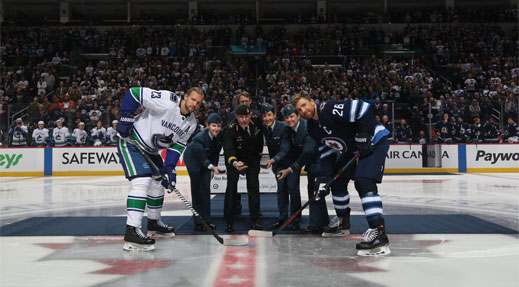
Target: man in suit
x,y
278,143
243,147
201,158
242,98
304,152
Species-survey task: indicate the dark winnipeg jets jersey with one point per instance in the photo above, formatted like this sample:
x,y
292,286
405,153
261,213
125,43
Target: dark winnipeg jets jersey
x,y
339,122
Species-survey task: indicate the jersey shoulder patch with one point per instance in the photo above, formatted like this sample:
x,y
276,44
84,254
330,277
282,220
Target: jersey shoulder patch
x,y
173,97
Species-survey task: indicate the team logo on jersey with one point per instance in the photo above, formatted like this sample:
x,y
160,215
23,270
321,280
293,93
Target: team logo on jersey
x,y
335,143
173,97
321,106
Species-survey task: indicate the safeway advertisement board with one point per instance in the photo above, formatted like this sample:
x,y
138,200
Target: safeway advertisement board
x,y
85,159
29,161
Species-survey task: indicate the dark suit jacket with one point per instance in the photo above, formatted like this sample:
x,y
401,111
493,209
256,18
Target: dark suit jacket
x,y
303,149
278,144
202,151
238,145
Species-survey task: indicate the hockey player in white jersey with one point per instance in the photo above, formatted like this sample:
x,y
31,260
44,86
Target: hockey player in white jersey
x,y
79,135
40,136
98,134
60,135
18,134
111,134
167,122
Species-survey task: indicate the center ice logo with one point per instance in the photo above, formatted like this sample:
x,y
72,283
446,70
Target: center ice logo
x,y
11,160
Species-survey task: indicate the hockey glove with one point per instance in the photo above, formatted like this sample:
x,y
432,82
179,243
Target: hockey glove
x,y
364,144
322,189
125,125
172,177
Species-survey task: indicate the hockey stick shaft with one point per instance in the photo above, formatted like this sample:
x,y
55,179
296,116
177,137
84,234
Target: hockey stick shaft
x,y
312,199
182,198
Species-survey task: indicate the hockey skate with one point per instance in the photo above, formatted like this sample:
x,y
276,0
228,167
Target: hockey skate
x,y
157,228
375,242
339,226
136,240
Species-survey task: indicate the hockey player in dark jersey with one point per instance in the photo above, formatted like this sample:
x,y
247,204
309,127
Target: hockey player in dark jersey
x,y
511,131
341,128
491,131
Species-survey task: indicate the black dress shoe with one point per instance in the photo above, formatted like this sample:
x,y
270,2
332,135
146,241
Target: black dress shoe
x,y
255,225
312,230
278,224
295,226
229,228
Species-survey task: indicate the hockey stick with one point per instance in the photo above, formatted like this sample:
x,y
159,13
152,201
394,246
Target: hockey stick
x,y
261,233
224,241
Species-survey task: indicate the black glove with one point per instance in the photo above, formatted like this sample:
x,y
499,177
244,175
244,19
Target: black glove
x,y
323,189
364,144
125,125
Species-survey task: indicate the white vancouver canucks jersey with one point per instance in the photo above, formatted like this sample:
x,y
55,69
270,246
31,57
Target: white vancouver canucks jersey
x,y
111,136
60,136
19,139
161,117
98,133
40,137
79,137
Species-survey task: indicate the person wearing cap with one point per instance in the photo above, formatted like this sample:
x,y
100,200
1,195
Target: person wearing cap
x,y
201,158
79,135
111,134
18,134
278,143
303,152
243,148
98,134
242,98
40,136
60,135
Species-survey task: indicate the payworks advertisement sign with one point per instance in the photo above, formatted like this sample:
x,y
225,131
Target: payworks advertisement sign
x,y
21,162
503,157
86,161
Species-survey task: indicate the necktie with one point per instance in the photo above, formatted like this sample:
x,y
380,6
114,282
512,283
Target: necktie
x,y
270,131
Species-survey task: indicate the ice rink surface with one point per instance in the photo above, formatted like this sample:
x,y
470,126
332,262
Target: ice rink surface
x,y
286,260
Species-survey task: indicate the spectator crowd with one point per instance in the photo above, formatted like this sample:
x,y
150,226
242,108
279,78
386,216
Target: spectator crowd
x,y
45,77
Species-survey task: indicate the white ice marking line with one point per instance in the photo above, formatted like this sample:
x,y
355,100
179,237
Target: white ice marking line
x,y
261,274
214,268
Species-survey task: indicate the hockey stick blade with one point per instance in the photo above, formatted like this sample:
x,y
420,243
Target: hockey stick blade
x,y
235,241
260,233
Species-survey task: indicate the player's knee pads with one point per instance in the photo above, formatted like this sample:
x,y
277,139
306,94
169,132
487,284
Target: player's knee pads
x,y
366,186
156,188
